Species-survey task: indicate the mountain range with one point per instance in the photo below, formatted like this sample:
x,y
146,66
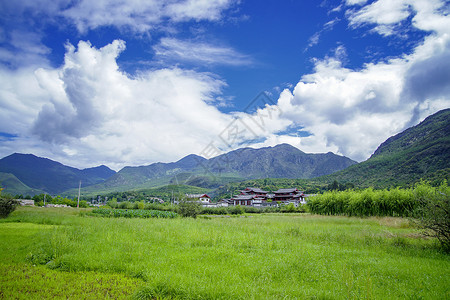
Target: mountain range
x,y
420,152
29,174
41,174
246,163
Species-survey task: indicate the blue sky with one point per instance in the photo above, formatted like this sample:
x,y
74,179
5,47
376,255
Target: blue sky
x,y
132,83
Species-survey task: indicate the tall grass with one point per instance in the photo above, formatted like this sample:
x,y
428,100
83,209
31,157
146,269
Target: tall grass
x,y
258,256
136,213
370,202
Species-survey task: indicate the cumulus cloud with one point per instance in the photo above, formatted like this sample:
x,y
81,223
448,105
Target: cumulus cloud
x,y
352,111
198,52
91,111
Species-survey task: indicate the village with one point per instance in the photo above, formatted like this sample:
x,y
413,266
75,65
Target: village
x,y
254,197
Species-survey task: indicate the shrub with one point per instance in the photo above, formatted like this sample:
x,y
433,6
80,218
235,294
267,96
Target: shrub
x,y
113,203
188,208
7,206
252,210
290,208
433,212
236,210
84,204
123,205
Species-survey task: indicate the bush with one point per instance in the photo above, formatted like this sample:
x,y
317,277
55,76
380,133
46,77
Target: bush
x,y
84,204
252,210
124,205
187,208
290,208
236,210
433,212
7,206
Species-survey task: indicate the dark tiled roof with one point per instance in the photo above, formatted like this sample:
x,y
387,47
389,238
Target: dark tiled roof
x,y
285,191
242,197
256,190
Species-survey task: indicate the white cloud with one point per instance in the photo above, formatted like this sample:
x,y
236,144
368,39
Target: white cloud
x,y
328,26
356,2
24,22
352,111
88,110
386,15
198,9
91,111
313,40
142,16
198,52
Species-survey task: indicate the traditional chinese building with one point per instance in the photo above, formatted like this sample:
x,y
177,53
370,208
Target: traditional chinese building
x,y
258,197
250,197
292,195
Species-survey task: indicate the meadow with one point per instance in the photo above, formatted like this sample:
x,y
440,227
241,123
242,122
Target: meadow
x,y
68,253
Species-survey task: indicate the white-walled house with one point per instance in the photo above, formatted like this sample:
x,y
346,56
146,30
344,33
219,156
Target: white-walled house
x,y
202,198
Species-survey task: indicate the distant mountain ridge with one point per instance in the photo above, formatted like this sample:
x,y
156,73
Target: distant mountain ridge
x,y
422,151
279,161
246,163
50,176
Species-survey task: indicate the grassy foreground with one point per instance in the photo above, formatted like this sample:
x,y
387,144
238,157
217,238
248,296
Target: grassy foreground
x,y
58,253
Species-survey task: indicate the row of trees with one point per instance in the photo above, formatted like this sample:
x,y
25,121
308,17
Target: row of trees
x,y
40,199
427,206
369,202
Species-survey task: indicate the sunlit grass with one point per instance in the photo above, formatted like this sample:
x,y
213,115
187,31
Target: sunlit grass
x,y
270,256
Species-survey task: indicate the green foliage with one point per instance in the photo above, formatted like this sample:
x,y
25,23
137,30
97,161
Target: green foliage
x,y
83,204
189,208
166,193
7,206
433,212
113,203
290,256
134,213
236,210
370,202
40,198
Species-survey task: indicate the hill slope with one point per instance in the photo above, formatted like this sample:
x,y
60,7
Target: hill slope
x,y
14,186
420,152
50,176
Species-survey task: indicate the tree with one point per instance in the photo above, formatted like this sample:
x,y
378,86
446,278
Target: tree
x,y
7,205
433,212
189,207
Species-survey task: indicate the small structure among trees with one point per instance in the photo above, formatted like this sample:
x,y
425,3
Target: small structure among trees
x,y
202,198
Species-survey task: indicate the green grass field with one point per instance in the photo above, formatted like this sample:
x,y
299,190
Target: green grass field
x,y
60,253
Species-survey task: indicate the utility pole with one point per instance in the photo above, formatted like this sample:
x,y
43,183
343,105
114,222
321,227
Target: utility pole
x,y
79,191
